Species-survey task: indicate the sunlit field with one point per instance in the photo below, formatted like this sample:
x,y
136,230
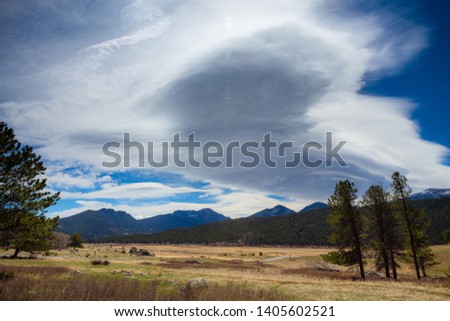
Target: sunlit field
x,y
232,273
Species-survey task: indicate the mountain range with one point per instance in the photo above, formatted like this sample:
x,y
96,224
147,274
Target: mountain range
x,y
308,228
100,224
281,210
93,225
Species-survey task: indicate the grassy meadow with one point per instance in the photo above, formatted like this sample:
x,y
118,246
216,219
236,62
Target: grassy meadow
x,y
233,273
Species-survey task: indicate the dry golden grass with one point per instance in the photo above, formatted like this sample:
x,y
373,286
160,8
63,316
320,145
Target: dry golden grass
x,y
239,273
57,284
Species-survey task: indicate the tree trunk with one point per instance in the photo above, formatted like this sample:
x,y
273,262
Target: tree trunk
x,y
423,269
16,253
361,263
357,239
414,253
394,267
411,239
386,264
382,238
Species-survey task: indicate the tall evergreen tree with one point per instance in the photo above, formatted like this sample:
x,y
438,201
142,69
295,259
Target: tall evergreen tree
x,y
383,228
346,219
411,216
394,238
23,199
376,205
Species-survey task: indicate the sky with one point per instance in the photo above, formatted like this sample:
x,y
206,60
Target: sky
x,y
75,75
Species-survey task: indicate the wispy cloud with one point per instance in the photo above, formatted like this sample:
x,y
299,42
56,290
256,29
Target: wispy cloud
x,y
132,191
226,70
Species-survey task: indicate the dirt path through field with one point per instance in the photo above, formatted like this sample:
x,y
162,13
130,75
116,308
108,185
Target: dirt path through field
x,y
278,258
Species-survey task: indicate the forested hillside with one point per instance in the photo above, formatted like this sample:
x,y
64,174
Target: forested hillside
x,y
302,229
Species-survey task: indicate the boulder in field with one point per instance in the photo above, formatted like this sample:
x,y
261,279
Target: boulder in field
x,y
143,252
195,285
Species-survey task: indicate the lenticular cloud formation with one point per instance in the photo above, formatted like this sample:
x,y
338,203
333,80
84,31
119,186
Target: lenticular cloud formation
x,y
226,70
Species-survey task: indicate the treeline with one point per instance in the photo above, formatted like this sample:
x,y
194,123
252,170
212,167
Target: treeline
x,y
306,229
303,229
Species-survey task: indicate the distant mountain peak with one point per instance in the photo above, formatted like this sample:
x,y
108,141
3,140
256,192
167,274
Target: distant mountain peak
x,y
203,211
278,210
432,193
313,206
110,211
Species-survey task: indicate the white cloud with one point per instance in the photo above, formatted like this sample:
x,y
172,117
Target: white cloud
x,y
226,70
61,180
132,191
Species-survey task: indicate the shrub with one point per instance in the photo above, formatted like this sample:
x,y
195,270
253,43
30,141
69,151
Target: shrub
x,y
5,276
100,262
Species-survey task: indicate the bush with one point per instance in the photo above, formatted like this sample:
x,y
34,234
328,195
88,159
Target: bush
x,y
5,276
100,262
341,257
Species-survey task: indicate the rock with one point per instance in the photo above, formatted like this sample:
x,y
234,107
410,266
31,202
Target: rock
x,y
126,273
322,267
143,252
195,285
373,274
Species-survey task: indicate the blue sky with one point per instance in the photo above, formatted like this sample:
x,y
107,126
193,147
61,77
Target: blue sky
x,y
425,79
77,74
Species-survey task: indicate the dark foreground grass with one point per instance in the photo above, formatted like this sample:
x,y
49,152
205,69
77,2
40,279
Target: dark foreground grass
x,y
62,284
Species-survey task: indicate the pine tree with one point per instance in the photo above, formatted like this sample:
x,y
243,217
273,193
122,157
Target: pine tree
x,y
383,229
76,240
23,199
346,219
375,202
411,216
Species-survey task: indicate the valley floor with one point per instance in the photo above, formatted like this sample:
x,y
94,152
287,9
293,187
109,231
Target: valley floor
x,y
233,273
